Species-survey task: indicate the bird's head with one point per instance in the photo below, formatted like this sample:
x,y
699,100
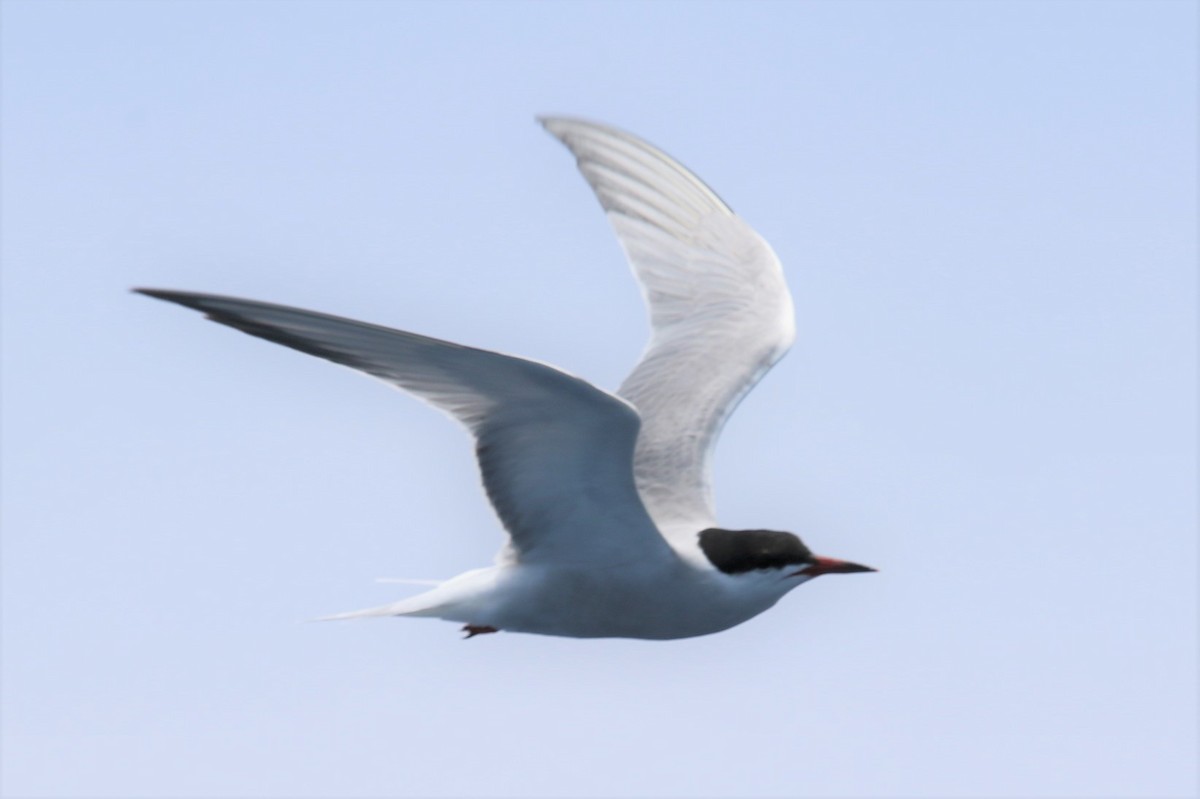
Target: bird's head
x,y
772,558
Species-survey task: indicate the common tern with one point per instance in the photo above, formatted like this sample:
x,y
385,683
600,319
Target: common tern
x,y
606,498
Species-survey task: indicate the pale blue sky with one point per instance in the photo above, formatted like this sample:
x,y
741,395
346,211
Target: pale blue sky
x,y
987,212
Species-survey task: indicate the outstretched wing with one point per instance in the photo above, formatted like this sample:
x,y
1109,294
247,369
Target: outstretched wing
x,y
720,312
555,452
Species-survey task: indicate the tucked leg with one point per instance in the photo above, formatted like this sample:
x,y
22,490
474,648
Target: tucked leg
x,y
473,630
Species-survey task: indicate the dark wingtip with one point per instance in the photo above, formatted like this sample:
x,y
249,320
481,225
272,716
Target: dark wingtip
x,y
158,294
186,298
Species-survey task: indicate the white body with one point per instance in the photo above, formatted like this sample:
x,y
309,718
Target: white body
x,y
659,600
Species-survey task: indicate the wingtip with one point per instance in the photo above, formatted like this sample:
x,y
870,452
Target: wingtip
x,y
560,126
546,120
186,298
158,294
552,124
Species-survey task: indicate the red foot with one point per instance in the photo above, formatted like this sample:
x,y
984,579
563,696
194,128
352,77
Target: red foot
x,y
473,630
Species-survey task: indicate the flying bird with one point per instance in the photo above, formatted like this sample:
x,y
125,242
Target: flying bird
x,y
606,498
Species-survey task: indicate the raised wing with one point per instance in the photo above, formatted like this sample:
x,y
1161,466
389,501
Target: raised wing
x,y
555,452
720,312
